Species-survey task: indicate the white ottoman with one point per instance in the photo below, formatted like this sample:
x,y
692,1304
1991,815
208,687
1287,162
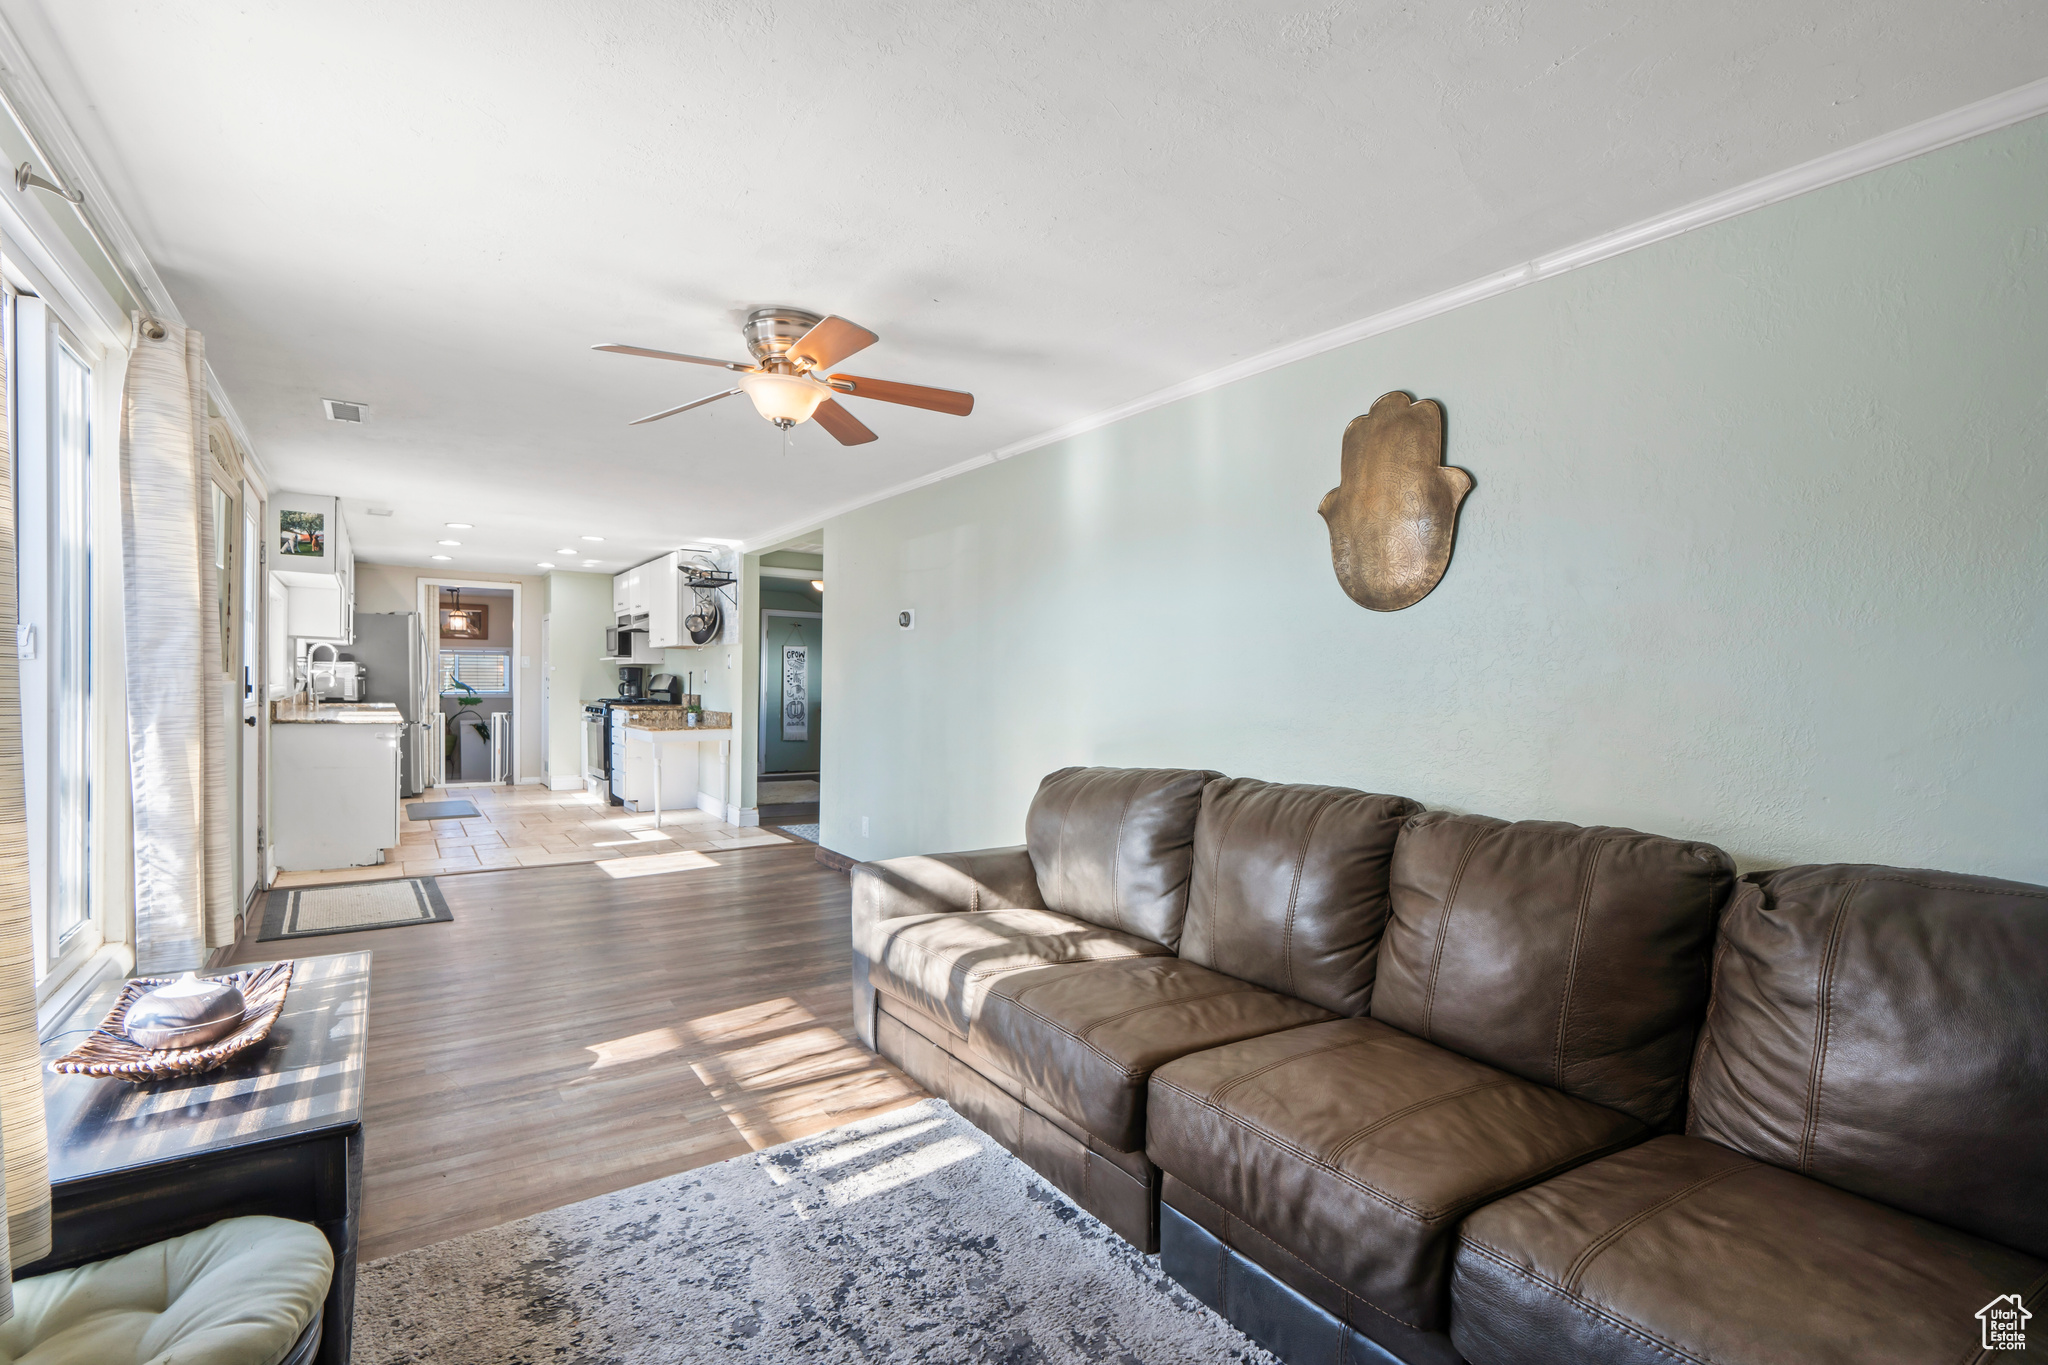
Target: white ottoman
x,y
238,1293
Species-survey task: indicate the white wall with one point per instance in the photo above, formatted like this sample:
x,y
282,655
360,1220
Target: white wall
x,y
1758,554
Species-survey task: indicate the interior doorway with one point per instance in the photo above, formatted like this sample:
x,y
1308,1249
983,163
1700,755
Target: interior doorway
x,y
474,630
792,660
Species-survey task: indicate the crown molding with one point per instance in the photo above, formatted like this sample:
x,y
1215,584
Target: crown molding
x,y
1917,139
67,162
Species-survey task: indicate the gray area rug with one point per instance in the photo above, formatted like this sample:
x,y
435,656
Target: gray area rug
x,y
441,810
908,1237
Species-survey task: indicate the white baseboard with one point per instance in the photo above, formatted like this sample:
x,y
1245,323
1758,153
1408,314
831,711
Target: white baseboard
x,y
711,804
735,815
566,784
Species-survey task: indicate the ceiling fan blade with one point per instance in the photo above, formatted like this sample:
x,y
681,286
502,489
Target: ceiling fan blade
x,y
909,395
698,403
844,426
830,342
671,355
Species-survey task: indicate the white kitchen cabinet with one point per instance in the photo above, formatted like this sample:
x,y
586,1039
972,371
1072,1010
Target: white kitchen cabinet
x,y
310,554
663,594
622,594
335,790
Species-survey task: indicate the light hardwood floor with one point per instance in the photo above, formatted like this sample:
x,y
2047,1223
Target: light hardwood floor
x,y
570,1033
530,826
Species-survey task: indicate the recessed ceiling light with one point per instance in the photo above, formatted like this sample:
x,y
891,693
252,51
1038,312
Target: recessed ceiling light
x,y
379,511
818,583
598,538
566,550
543,565
590,561
457,525
448,542
441,556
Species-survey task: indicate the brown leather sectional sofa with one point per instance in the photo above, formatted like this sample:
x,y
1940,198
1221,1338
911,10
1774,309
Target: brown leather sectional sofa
x,y
1386,1084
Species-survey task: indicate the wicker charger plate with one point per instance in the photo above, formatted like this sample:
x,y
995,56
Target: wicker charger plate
x,y
107,1051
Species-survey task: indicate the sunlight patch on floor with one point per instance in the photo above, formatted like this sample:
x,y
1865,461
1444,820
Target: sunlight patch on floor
x,y
797,1083
689,860
751,1021
638,1048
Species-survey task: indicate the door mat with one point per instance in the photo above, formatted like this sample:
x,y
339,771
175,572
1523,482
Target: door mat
x,y
310,911
441,810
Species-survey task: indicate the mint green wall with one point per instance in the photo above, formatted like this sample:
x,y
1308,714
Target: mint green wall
x,y
579,607
1758,554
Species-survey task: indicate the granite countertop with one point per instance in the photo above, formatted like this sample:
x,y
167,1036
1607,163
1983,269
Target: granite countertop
x,y
671,718
296,710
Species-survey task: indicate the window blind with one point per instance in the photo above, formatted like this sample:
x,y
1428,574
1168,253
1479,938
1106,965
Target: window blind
x,y
486,671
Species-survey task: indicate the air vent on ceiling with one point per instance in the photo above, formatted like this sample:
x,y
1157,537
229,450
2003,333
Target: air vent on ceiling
x,y
339,410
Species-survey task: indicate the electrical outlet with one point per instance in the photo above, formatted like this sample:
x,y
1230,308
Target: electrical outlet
x,y
863,827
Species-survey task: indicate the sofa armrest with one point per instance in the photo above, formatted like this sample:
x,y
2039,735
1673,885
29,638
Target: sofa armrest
x,y
931,884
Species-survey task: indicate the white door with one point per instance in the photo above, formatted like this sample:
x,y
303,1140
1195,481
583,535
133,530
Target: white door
x,y
426,736
252,700
547,669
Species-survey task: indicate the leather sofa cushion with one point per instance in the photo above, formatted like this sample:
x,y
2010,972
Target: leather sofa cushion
x,y
943,964
1085,1039
1290,887
1113,845
927,883
1683,1250
237,1293
1886,1031
1358,1148
1571,956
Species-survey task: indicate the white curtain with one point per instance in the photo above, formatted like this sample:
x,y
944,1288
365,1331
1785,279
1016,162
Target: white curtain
x,y
24,1160
184,877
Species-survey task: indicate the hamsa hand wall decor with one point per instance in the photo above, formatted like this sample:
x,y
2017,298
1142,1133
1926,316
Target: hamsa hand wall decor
x,y
1395,512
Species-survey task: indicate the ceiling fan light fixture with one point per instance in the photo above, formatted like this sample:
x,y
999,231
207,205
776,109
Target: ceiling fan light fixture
x,y
784,399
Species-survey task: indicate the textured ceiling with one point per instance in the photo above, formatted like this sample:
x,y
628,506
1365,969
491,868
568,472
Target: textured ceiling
x,y
437,208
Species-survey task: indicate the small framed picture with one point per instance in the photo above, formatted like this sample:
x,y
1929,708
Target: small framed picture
x,y
465,623
302,533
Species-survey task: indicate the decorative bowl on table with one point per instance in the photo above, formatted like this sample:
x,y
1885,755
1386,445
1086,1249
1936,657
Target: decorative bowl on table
x,y
162,1028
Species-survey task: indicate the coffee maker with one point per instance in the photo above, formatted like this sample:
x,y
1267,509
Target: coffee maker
x,y
632,681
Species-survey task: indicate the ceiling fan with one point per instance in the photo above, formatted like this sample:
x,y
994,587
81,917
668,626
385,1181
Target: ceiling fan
x,y
792,350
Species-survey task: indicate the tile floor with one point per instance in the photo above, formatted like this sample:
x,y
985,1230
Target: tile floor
x,y
530,826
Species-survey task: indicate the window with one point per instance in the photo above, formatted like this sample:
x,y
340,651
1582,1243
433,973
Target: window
x,y
479,670
50,403
71,646
224,573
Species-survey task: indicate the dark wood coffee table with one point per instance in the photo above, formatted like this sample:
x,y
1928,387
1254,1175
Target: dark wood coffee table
x,y
278,1130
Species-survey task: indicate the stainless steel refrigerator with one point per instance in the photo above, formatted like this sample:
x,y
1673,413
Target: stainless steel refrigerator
x,y
388,647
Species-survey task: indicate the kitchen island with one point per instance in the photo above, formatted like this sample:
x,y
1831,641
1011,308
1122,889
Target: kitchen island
x,y
334,783
663,760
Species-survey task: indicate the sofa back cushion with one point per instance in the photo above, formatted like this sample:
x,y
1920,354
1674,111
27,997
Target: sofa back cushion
x,y
1886,1031
1576,957
1290,887
1113,846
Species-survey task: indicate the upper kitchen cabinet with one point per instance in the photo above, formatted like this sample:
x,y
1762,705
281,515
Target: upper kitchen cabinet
x,y
311,556
622,594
